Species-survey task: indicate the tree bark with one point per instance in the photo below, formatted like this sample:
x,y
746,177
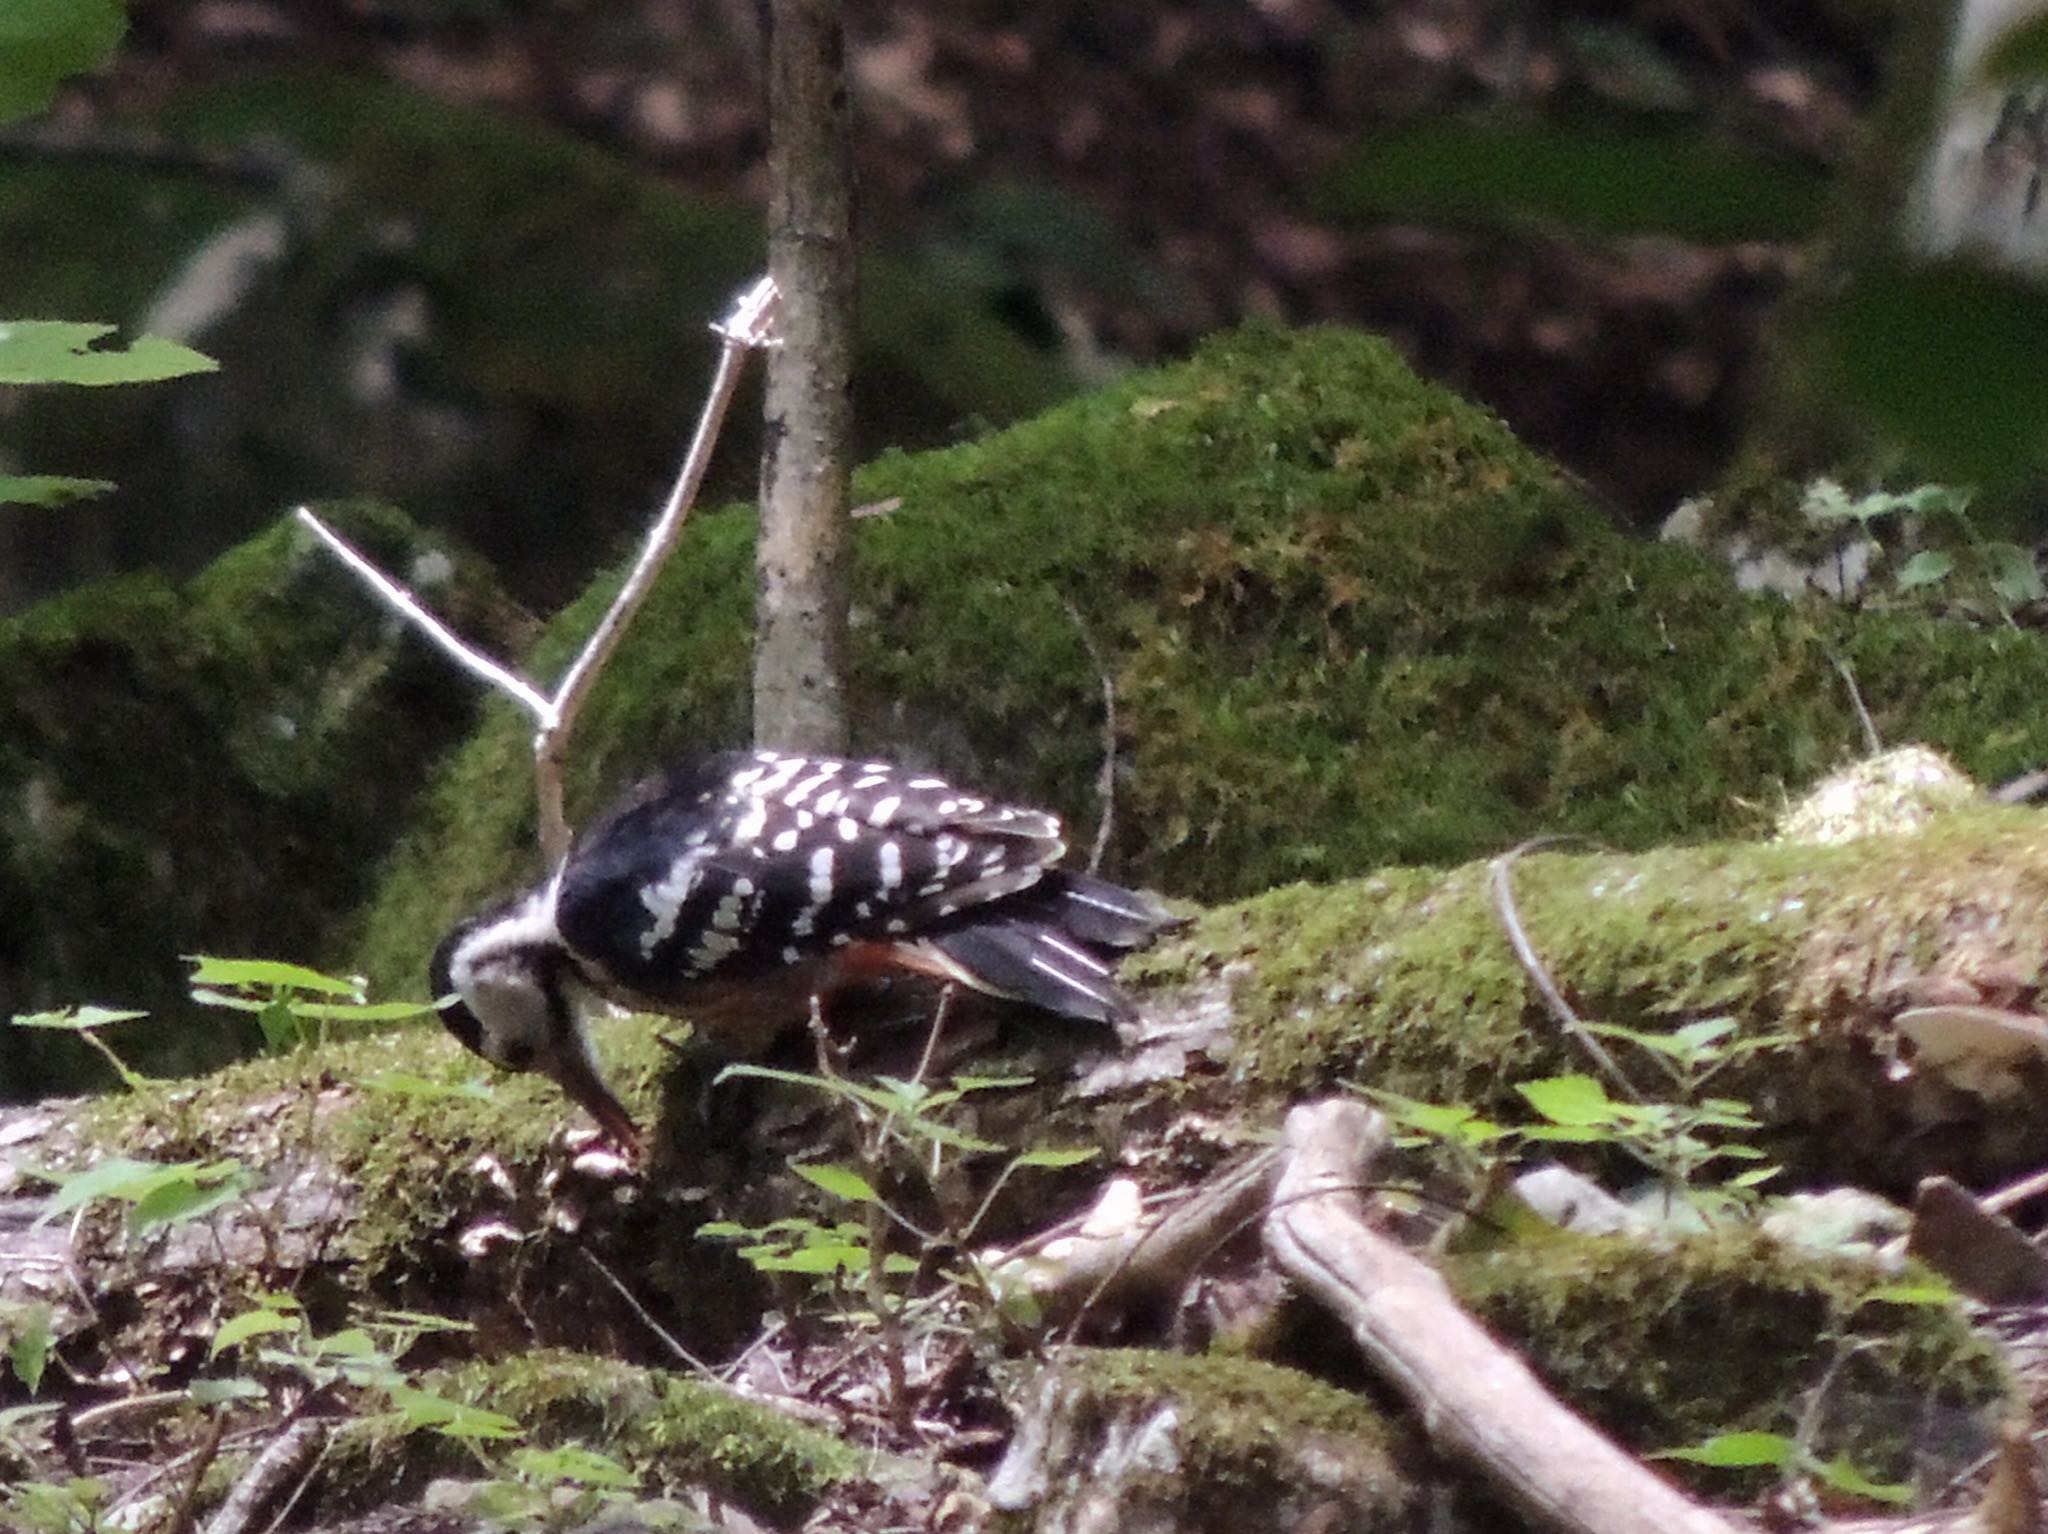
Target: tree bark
x,y
800,616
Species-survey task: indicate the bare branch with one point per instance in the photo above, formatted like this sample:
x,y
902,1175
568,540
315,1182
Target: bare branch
x,y
1105,778
1477,1399
748,325
473,661
1539,974
285,1462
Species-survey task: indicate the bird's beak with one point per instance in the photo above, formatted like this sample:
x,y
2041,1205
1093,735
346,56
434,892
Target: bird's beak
x,y
579,1078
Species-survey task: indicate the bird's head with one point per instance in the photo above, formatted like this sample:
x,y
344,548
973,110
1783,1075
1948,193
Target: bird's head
x,y
503,985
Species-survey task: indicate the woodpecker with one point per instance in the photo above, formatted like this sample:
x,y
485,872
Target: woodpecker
x,y
732,890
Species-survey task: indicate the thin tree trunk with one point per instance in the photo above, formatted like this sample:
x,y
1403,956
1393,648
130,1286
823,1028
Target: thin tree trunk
x,y
800,616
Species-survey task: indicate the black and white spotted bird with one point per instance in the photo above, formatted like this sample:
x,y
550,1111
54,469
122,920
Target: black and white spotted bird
x,y
732,890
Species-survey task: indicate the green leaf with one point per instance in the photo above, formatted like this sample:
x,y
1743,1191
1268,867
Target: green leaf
x,y
1926,568
43,41
1052,1157
180,1199
1571,1101
822,1257
250,1323
220,1392
1444,1121
280,1025
65,351
572,1462
453,1419
1843,1476
28,1346
1737,1451
840,1182
49,489
2013,574
1929,1293
964,1084
77,1019
358,1011
116,1177
156,1192
270,974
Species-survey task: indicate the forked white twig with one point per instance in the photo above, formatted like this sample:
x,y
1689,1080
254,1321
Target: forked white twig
x,y
471,660
747,326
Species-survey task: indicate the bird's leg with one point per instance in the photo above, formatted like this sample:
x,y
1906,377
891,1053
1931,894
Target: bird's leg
x,y
832,1056
931,1040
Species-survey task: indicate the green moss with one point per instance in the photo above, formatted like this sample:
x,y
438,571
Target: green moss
x,y
675,1433
1350,622
1205,1442
1244,1417
213,767
1665,1345
1407,979
358,1104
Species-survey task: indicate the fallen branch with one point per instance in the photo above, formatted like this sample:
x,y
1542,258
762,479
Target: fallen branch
x,y
1084,1271
1477,1400
748,327
286,1461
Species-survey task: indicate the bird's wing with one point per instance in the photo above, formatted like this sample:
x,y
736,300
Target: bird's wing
x,y
772,859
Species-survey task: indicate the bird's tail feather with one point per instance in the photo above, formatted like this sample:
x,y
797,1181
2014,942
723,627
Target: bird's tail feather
x,y
1054,945
1096,912
1029,962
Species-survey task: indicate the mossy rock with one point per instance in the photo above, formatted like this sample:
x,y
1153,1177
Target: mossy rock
x,y
1132,1439
1665,1345
211,767
398,313
1407,982
1350,622
674,1434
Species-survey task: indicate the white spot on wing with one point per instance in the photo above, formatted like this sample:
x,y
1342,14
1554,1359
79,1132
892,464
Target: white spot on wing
x,y
664,900
785,841
891,873
821,875
884,810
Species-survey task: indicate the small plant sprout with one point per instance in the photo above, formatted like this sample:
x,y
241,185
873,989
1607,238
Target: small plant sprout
x,y
2003,569
85,1023
293,1005
903,1127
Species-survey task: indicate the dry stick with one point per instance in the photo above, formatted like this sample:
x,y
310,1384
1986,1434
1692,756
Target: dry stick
x,y
1870,736
188,1500
459,650
287,1459
748,326
2014,1193
1105,780
689,1359
1539,975
1172,1247
1476,1399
